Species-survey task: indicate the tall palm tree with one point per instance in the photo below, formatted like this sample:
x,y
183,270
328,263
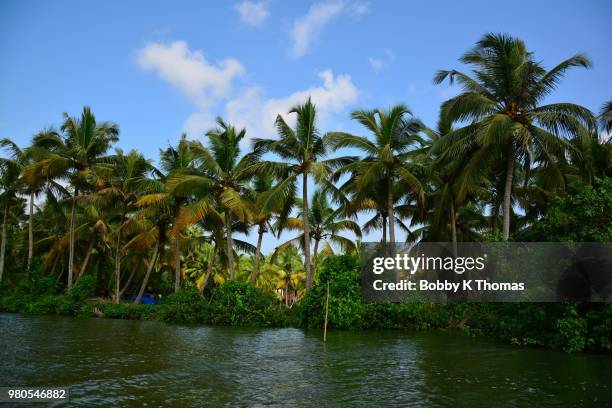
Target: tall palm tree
x,y
9,190
327,225
501,106
262,216
122,179
220,173
22,158
388,156
303,148
73,156
154,223
174,162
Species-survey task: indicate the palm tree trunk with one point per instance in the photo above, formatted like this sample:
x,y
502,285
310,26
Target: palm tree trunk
x,y
177,263
384,230
86,260
255,271
230,243
3,244
453,225
31,230
71,239
495,217
209,269
314,254
391,212
129,280
306,223
508,191
118,266
143,286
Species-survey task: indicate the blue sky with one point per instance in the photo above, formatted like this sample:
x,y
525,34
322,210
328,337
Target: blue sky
x,y
161,68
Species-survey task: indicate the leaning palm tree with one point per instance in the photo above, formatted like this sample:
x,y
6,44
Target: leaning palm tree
x,y
303,148
262,216
174,161
73,156
501,108
388,156
327,225
121,180
222,174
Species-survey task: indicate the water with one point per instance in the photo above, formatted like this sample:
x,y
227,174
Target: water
x,y
109,362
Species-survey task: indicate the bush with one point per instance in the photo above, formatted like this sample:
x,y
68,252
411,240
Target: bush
x,y
39,284
582,217
122,311
242,304
84,288
230,304
183,307
348,311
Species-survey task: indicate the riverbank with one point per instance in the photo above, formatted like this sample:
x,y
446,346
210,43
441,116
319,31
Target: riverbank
x,y
571,327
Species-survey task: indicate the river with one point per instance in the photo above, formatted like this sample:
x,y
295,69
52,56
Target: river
x,y
109,362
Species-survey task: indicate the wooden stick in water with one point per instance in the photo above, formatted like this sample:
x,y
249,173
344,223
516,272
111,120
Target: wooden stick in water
x,y
326,314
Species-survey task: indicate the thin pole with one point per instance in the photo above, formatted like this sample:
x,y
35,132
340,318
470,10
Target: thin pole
x,y
326,314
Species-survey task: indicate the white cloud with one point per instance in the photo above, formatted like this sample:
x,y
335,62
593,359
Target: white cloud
x,y
202,82
307,28
376,64
379,63
251,13
209,88
361,7
258,113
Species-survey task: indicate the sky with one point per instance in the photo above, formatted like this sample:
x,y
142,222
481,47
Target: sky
x,y
158,69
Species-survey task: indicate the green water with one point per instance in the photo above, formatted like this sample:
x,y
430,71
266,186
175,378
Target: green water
x,y
131,363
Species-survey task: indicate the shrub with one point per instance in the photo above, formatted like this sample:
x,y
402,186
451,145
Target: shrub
x,y
122,311
84,288
346,310
183,307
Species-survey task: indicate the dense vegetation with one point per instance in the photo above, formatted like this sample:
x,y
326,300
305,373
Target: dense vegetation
x,y
89,231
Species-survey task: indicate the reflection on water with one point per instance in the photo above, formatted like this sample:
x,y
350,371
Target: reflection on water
x,y
129,363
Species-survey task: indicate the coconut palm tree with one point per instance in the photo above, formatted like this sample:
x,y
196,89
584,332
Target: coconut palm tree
x,y
22,158
154,224
327,225
174,162
303,148
503,115
387,158
73,156
222,174
9,189
262,216
122,178
605,117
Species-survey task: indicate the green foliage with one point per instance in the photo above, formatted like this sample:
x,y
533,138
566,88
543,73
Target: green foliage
x,y
84,288
38,283
183,307
230,304
571,327
348,311
582,217
121,311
